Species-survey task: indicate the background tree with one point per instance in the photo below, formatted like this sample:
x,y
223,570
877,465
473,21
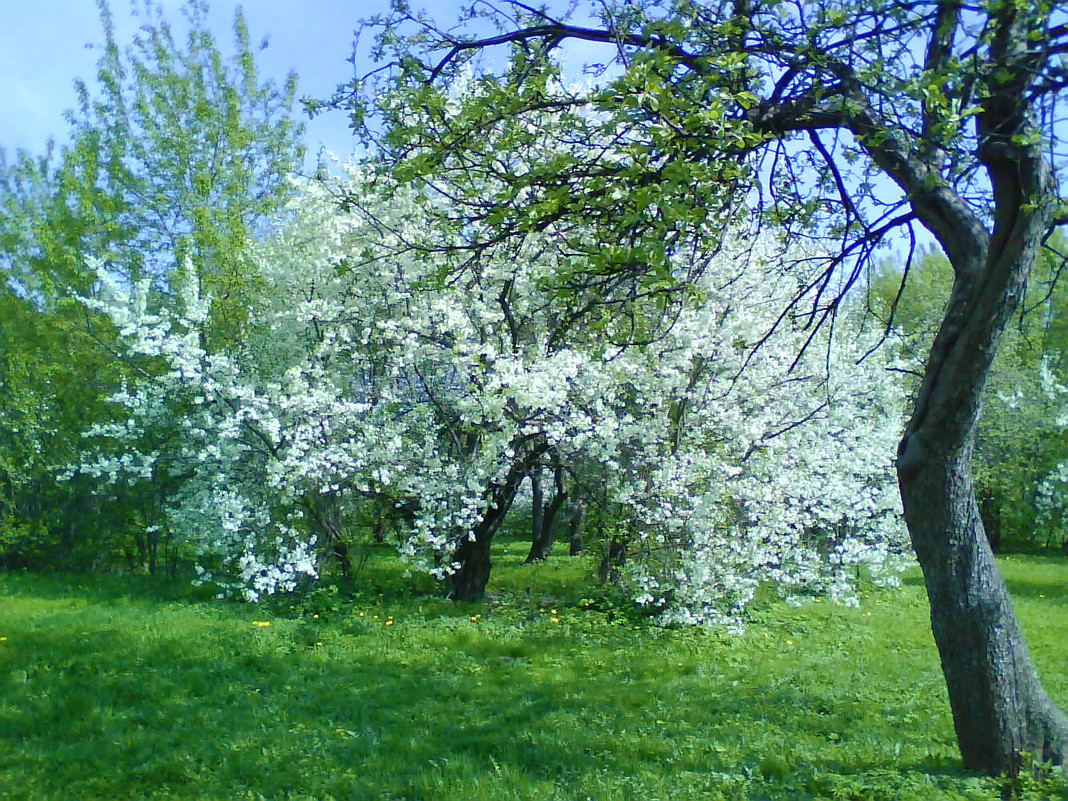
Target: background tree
x,y
179,152
363,376
840,121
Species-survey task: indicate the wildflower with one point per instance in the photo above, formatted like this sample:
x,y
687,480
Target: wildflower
x,y
318,643
261,623
3,639
555,619
315,617
789,642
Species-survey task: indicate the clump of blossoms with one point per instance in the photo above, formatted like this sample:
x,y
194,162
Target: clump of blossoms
x,y
376,367
1051,494
780,470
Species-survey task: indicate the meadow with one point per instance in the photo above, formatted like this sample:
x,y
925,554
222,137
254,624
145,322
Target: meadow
x,y
135,688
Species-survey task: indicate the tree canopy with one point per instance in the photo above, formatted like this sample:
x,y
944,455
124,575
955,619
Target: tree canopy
x,y
841,122
176,154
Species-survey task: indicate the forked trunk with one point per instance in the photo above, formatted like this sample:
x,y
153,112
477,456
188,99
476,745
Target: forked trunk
x,y
544,523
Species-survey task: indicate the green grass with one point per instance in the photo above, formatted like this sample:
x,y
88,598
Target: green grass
x,y
116,688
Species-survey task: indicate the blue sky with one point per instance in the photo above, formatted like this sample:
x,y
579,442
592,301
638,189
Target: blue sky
x,y
43,49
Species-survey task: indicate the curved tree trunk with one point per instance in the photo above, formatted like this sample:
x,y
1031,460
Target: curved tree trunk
x,y
1000,709
469,582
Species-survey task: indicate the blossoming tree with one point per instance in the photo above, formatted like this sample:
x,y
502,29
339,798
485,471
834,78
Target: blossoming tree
x,y
373,370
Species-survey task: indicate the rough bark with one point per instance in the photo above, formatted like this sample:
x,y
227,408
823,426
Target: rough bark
x,y
1000,709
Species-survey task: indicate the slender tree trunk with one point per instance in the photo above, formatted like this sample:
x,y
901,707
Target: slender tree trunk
x,y
1000,709
614,559
576,519
325,511
537,514
544,531
469,582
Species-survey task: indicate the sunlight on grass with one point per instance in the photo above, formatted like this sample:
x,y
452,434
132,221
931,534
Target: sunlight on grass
x,y
116,690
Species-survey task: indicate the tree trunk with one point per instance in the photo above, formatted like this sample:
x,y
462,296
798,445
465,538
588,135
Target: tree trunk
x,y
576,518
537,515
614,559
325,512
1000,709
544,532
469,582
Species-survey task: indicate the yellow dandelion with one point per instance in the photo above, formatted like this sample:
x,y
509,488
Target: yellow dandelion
x,y
552,611
555,619
361,614
318,643
315,617
3,639
789,642
261,623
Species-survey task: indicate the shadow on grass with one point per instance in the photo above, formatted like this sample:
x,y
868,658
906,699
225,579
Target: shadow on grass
x,y
106,588
92,708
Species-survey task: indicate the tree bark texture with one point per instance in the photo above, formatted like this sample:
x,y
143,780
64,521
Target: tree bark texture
x,y
1000,709
326,516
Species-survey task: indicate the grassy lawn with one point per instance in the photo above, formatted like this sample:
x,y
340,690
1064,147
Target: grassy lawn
x,y
121,688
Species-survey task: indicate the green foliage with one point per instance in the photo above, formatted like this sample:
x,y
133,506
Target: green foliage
x,y
115,688
1019,439
179,151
